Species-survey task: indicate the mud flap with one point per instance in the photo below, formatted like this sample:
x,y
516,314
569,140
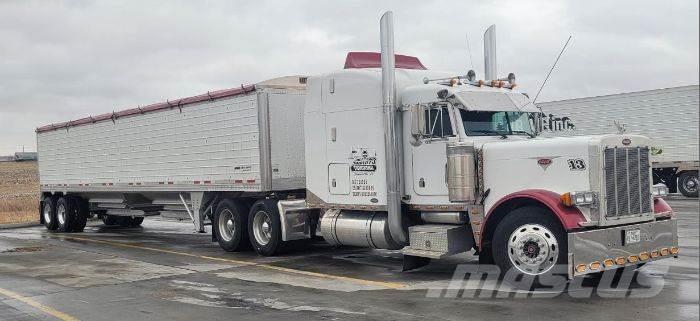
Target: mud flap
x,y
411,262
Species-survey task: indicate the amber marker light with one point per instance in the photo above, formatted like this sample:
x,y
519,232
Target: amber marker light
x,y
644,256
654,254
620,261
674,250
581,268
632,258
608,262
566,199
594,265
664,252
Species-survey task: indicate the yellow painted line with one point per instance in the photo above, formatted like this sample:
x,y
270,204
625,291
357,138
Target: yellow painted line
x,y
389,285
46,309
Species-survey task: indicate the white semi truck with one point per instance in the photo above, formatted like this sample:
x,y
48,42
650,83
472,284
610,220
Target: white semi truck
x,y
670,115
382,154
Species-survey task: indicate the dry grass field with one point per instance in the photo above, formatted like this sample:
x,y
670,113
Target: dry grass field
x,y
19,192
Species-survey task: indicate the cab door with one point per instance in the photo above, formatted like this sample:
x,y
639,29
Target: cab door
x,y
429,157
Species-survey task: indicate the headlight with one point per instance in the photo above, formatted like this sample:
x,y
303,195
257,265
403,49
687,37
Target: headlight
x,y
659,190
579,198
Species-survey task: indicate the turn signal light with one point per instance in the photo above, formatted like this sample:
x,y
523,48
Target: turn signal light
x,y
664,252
566,199
632,258
674,250
608,263
594,265
620,261
644,256
654,254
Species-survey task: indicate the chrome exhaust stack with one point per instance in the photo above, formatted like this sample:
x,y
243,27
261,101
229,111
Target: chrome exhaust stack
x,y
391,142
490,71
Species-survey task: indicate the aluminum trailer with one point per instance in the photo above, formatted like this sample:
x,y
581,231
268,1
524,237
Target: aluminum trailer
x,y
670,115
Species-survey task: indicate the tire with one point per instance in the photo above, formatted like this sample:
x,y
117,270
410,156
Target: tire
x,y
688,183
67,214
83,209
110,220
230,225
48,213
137,221
128,221
264,228
526,228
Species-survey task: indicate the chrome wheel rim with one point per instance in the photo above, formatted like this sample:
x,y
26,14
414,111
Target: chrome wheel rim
x,y
61,214
691,184
262,228
227,228
533,249
47,213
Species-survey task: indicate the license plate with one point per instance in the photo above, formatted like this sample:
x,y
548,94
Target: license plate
x,y
633,236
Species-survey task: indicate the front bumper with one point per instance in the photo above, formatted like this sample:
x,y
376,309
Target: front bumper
x,y
592,246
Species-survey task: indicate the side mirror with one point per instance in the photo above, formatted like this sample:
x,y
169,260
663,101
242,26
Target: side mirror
x,y
418,129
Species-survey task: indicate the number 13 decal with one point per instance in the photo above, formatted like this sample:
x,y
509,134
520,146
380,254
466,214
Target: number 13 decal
x,y
576,164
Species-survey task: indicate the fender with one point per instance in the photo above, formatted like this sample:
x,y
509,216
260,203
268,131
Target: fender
x,y
570,217
662,209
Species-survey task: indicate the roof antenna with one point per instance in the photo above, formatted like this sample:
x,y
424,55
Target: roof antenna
x,y
551,69
469,49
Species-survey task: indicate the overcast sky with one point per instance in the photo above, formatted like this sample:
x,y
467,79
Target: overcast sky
x,y
62,60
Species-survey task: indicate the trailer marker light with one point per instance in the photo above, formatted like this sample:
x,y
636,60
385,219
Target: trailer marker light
x,y
632,258
674,250
620,261
664,252
608,262
594,265
581,268
654,254
644,256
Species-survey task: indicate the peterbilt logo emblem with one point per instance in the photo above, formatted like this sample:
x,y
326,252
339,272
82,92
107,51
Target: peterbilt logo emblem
x,y
626,141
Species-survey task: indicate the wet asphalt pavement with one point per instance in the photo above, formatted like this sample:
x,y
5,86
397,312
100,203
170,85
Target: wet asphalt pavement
x,y
163,271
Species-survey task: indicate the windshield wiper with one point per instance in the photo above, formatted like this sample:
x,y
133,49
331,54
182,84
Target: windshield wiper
x,y
489,132
523,132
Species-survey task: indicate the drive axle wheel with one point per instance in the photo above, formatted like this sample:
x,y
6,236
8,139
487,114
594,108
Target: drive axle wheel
x,y
230,225
688,183
531,241
264,228
68,215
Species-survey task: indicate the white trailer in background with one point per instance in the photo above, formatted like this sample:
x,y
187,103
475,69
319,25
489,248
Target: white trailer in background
x,y
383,154
670,115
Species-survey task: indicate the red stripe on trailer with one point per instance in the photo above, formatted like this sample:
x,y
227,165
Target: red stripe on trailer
x,y
238,181
250,181
212,95
161,183
207,182
170,183
355,60
197,182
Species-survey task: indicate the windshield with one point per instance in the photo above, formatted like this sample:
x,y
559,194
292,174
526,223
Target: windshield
x,y
485,123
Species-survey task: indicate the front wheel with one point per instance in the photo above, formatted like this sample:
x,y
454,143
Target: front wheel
x,y
688,183
531,241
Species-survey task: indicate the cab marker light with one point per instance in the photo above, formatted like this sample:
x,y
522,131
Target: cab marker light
x,y
608,262
654,254
620,260
581,268
674,250
594,265
644,256
664,252
632,258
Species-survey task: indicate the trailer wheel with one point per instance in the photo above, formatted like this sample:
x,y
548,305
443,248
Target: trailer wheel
x,y
67,214
230,225
48,213
83,210
531,241
264,227
688,183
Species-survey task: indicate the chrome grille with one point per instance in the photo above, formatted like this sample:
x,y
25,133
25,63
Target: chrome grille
x,y
627,185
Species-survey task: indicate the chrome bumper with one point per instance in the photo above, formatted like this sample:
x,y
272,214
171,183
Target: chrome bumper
x,y
588,247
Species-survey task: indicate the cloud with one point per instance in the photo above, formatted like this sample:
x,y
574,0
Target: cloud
x,y
65,60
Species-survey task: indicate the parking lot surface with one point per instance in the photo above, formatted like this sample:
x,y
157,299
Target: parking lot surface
x,y
164,271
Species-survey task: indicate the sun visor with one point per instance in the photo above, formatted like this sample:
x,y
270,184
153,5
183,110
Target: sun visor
x,y
495,101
